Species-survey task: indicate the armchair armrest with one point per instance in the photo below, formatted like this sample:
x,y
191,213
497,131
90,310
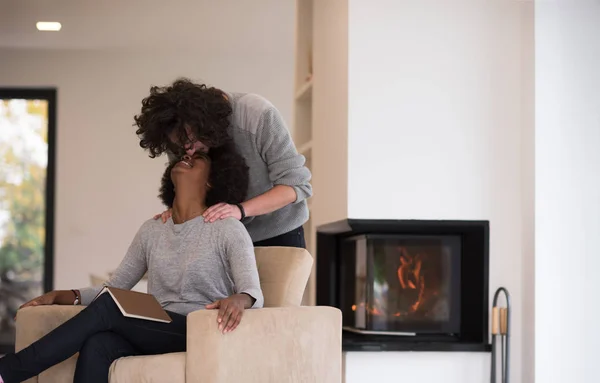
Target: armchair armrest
x,y
286,344
35,322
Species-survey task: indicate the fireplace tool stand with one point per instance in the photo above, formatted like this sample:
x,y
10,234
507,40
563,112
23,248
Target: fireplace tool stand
x,y
501,333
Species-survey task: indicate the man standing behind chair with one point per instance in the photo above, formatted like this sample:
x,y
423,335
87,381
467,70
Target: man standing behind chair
x,y
185,117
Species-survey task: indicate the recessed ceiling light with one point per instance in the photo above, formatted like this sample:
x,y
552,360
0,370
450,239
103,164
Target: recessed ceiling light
x,y
48,26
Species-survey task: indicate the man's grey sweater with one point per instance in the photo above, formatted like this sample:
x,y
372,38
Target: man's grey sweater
x,y
262,138
189,265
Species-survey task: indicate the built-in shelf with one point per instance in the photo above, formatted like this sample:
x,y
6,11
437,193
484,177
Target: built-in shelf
x,y
303,112
305,91
305,149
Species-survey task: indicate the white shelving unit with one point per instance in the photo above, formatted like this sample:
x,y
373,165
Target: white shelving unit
x,y
304,93
305,149
303,106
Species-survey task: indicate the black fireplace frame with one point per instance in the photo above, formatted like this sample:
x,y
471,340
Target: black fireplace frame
x,y
474,335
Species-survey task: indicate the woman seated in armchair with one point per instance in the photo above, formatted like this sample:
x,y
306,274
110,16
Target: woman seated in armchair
x,y
191,265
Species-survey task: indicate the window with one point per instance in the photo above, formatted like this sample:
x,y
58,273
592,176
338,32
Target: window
x,y
27,168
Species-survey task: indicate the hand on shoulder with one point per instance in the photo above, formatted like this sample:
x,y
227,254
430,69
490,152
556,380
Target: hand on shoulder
x,y
221,211
165,215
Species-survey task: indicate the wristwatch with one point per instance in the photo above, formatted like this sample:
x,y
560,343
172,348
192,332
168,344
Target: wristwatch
x,y
76,302
242,210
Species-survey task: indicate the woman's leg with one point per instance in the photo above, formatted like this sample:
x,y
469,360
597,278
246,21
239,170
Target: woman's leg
x,y
98,353
102,315
293,238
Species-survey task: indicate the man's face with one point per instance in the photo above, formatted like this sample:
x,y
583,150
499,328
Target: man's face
x,y
192,146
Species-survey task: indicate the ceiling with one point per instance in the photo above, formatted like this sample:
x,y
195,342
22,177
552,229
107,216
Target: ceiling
x,y
142,24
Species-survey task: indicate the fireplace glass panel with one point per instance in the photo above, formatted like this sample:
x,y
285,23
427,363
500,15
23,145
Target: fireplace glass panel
x,y
404,284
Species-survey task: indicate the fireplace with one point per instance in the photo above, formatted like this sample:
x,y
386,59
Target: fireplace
x,y
406,285
400,284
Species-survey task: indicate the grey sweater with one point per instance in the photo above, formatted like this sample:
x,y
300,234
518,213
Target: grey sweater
x,y
189,265
261,136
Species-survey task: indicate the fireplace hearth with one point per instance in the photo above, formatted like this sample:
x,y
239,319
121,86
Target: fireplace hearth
x,y
406,285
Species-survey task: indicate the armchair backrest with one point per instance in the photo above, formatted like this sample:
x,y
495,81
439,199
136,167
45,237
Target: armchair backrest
x,y
283,273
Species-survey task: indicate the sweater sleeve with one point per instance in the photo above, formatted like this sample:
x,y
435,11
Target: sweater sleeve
x,y
239,252
130,271
286,166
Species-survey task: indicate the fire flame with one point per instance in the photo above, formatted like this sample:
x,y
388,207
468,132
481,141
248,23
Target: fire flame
x,y
409,275
410,278
371,310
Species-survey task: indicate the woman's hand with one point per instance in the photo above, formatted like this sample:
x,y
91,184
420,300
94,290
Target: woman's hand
x,y
43,300
231,310
165,215
222,211
57,297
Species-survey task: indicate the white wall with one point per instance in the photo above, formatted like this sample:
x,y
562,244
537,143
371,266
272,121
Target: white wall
x,y
527,102
106,185
416,367
567,176
435,124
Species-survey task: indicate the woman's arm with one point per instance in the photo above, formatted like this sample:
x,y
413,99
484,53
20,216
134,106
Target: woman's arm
x,y
130,271
238,253
56,297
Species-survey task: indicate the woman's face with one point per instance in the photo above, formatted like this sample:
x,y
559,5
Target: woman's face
x,y
193,169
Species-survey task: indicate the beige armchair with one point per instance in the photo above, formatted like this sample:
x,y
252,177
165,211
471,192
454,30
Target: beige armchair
x,y
283,342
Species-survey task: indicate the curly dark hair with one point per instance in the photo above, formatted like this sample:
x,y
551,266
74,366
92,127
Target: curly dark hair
x,y
172,108
228,178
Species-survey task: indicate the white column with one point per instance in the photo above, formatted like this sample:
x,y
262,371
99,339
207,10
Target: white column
x,y
567,175
435,121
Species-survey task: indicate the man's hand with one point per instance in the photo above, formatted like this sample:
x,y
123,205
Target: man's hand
x,y
165,215
231,310
222,211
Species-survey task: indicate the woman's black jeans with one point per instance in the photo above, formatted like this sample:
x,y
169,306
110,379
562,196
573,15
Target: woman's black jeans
x,y
293,238
101,335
